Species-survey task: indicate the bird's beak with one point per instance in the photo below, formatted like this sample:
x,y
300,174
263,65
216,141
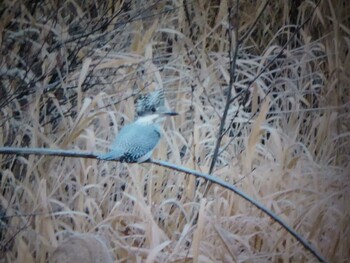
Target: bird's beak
x,y
169,113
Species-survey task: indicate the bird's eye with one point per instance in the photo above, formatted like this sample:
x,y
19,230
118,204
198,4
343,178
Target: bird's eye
x,y
153,109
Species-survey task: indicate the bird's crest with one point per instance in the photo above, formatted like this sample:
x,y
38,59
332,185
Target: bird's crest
x,y
149,103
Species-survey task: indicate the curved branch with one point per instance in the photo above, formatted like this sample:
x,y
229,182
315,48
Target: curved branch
x,y
215,180
234,189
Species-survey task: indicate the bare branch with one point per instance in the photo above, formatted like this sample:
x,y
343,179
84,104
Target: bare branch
x,y
213,179
234,189
50,152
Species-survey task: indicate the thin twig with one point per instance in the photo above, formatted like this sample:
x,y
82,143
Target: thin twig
x,y
233,60
282,49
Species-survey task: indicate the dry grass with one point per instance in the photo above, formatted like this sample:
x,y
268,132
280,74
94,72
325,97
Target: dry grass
x,y
68,74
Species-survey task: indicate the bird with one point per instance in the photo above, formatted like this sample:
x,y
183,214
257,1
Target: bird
x,y
136,141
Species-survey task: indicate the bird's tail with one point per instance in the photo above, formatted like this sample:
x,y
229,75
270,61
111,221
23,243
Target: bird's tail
x,y
113,155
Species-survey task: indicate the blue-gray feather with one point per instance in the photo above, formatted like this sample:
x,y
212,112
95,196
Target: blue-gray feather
x,y
133,141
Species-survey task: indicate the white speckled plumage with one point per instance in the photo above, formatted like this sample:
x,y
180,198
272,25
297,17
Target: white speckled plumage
x,y
134,143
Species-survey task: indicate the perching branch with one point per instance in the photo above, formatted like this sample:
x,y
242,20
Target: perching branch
x,y
50,152
210,178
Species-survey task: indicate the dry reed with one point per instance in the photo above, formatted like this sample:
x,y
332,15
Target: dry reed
x,y
69,72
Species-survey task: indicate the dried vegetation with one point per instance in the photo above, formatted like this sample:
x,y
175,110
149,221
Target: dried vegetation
x,y
69,72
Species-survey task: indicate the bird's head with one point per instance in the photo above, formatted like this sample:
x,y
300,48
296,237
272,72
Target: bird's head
x,y
150,108
150,103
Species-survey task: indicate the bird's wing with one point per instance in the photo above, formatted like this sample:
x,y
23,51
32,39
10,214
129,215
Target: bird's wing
x,y
134,141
